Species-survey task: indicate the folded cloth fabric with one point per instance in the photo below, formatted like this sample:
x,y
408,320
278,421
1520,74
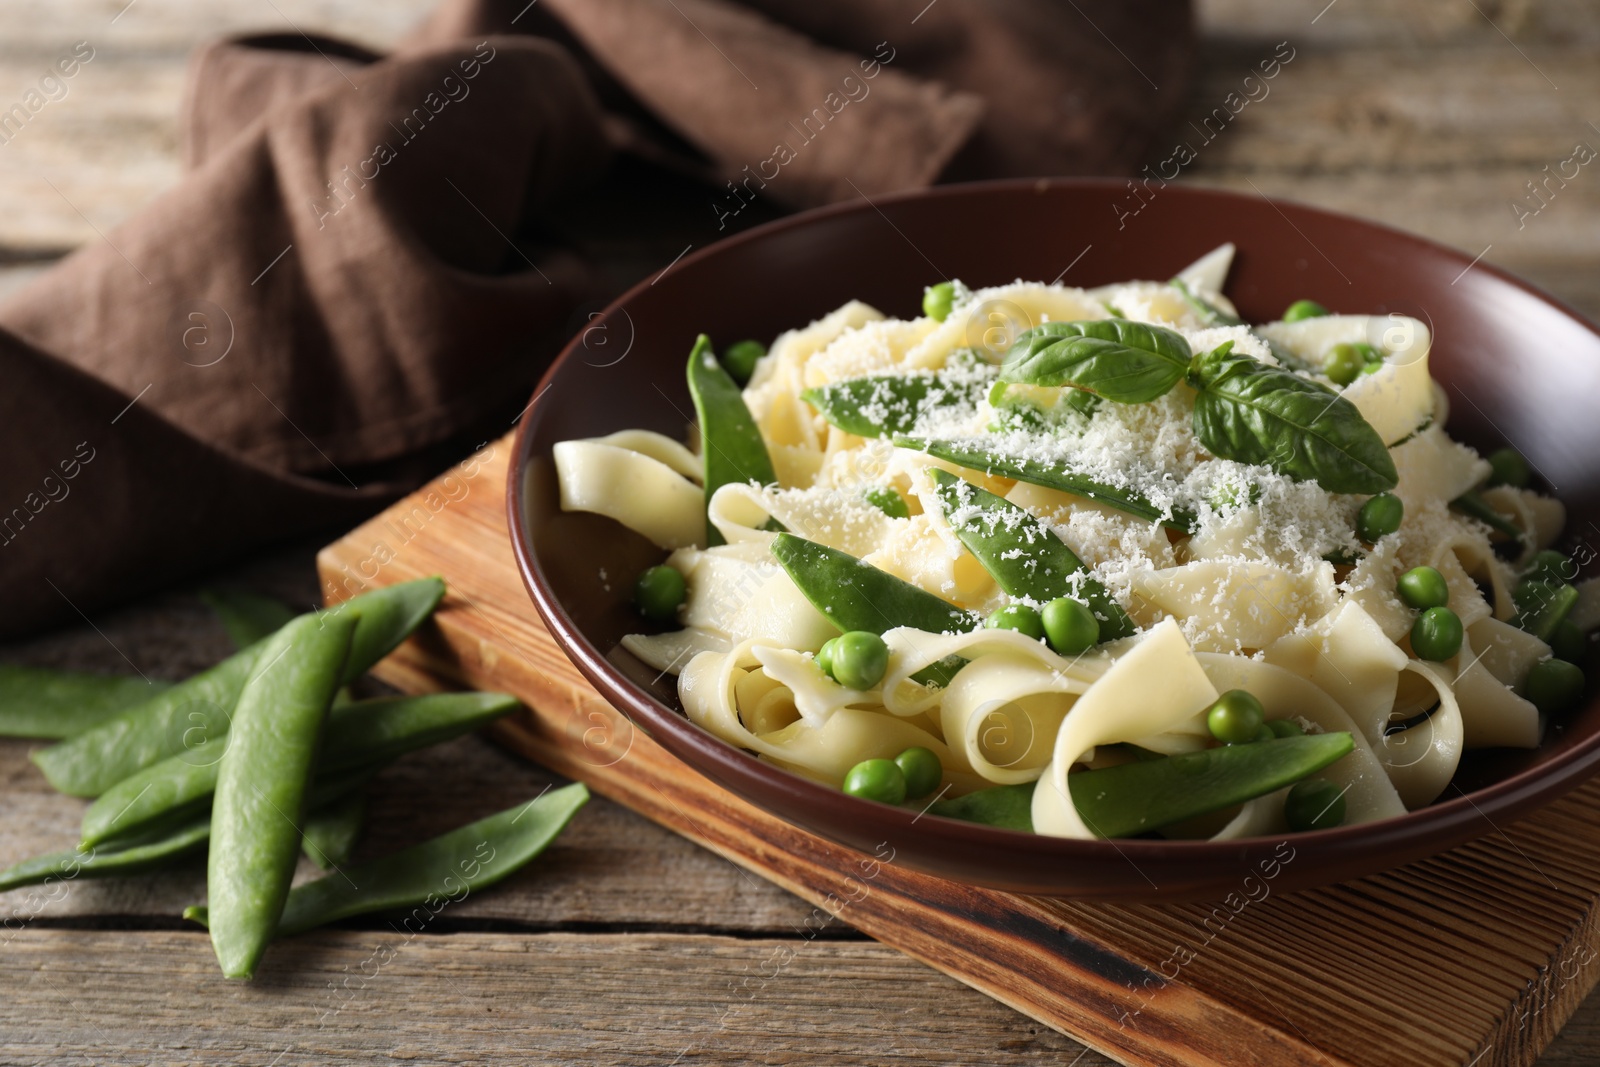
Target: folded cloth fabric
x,y
357,265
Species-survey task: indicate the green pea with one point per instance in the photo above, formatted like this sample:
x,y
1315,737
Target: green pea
x,y
1314,804
660,592
1550,566
1018,617
1285,728
1568,642
877,779
889,502
922,769
860,659
1379,516
1372,368
1554,686
1304,309
1236,717
1342,363
1436,635
937,300
1423,587
1070,626
1507,467
825,655
1265,733
740,358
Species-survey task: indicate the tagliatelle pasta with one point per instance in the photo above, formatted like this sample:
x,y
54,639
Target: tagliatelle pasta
x,y
1062,530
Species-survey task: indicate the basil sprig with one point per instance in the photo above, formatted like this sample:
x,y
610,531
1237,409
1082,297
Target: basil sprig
x,y
1247,411
1118,359
1244,410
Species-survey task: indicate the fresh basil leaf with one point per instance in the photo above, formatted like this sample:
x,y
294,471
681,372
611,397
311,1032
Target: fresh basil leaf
x,y
975,457
1247,411
1121,360
886,404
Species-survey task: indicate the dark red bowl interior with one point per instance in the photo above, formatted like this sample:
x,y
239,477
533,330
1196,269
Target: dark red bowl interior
x,y
1519,367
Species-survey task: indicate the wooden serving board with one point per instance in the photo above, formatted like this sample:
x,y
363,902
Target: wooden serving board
x,y
1477,956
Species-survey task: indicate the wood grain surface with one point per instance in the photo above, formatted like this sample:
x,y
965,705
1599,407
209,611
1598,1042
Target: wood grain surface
x,y
1427,114
1346,975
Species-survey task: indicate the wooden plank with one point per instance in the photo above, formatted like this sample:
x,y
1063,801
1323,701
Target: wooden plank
x,y
1348,974
498,998
1408,25
611,866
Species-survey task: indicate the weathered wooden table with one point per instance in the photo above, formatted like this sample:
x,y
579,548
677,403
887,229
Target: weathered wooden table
x,y
625,944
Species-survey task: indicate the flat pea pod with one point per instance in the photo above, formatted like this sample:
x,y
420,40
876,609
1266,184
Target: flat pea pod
x,y
262,782
247,616
48,704
445,868
160,845
1005,807
1145,795
1543,606
858,596
1472,505
730,442
330,834
974,457
362,733
197,712
882,405
135,855
1023,556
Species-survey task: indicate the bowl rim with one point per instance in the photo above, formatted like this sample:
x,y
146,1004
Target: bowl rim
x,y
1447,822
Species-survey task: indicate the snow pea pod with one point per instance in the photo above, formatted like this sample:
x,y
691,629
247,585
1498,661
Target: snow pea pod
x,y
1022,554
730,442
1543,606
42,703
162,843
262,782
197,712
882,405
1145,795
441,870
858,596
134,855
975,457
1472,505
330,834
247,616
366,732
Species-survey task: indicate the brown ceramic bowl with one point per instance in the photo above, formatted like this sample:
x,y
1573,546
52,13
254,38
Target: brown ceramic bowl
x,y
1519,367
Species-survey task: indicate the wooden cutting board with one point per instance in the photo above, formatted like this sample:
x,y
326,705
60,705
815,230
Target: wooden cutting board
x,y
1477,956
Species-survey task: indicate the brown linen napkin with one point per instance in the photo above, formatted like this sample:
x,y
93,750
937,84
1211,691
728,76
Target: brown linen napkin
x,y
358,265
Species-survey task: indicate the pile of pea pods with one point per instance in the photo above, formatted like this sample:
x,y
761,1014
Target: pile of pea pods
x,y
259,758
